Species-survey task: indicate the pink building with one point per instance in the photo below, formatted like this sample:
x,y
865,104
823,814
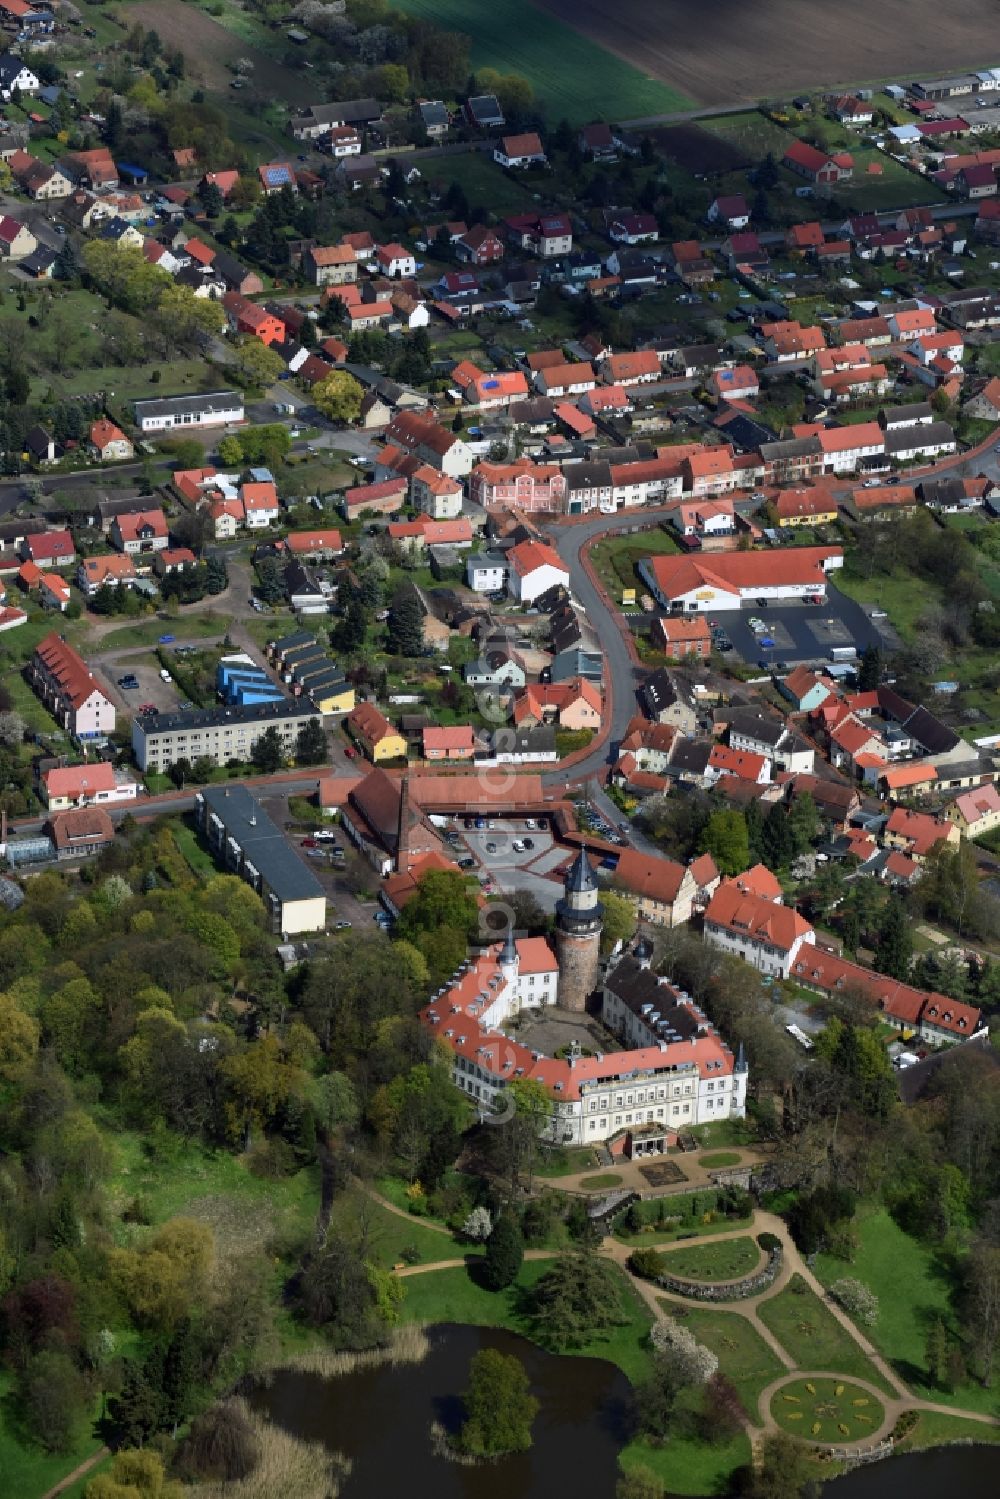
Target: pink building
x,y
518,486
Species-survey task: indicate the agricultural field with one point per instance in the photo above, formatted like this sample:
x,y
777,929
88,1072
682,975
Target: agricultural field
x,y
209,49
790,46
752,134
700,150
574,78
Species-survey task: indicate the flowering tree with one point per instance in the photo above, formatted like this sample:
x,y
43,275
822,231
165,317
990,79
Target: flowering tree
x,y
691,1361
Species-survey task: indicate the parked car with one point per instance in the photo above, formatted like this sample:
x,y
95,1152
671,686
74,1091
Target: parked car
x,y
167,639
519,845
327,835
491,848
527,843
342,926
309,843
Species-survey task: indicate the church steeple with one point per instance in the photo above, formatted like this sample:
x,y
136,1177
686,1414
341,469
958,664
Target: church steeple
x,y
509,954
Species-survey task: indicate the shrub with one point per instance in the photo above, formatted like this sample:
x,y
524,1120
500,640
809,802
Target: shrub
x,y
647,1263
271,1159
857,1299
221,1446
768,1242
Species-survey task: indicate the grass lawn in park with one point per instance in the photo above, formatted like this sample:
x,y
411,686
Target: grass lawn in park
x,y
718,1159
730,1259
810,1333
742,1353
913,1288
827,1410
28,1472
453,1296
601,1183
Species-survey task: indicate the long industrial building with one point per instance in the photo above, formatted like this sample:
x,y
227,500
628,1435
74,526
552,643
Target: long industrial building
x,y
246,842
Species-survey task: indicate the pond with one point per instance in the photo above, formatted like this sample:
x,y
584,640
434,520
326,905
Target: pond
x,y
969,1471
381,1417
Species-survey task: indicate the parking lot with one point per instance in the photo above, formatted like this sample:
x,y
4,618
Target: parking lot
x,y
502,868
803,632
146,669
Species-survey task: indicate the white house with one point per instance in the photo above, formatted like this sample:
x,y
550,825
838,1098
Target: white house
x,y
730,212
520,150
535,567
765,934
14,75
486,574
216,409
395,261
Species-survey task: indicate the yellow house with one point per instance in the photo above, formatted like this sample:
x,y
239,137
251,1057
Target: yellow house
x,y
337,698
806,505
975,812
375,734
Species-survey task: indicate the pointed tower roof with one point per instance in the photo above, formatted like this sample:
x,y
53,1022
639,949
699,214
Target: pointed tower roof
x,y
741,1059
581,876
509,954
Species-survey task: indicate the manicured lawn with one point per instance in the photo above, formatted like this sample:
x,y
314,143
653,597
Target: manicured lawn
x,y
600,1183
936,1430
742,1353
715,1161
686,1466
812,1335
389,1234
453,1296
828,1410
572,76
729,1260
563,1162
148,631
913,1289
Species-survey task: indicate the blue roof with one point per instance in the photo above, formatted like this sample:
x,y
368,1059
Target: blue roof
x,y
130,170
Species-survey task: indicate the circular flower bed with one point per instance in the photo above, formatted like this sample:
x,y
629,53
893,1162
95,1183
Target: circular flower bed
x,y
827,1410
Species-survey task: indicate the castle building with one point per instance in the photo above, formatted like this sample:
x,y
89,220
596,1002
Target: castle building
x,y
673,1071
579,923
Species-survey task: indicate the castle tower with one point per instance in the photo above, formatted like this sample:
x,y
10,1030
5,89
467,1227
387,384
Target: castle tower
x,y
579,922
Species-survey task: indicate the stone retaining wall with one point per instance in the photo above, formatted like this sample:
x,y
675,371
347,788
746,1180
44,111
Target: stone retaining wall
x,y
728,1290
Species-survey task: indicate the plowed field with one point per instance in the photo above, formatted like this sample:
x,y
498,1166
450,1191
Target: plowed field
x,y
733,50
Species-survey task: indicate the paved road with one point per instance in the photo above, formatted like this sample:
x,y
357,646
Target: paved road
x,y
620,675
